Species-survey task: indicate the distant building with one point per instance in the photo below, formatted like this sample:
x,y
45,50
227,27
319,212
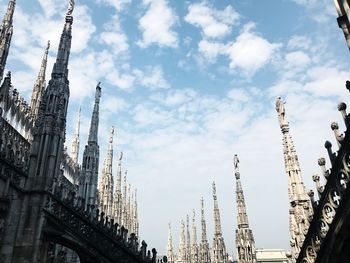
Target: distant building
x,y
272,255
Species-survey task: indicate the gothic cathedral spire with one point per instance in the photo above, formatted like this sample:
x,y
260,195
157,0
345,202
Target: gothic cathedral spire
x,y
50,127
135,216
188,240
76,140
91,156
218,250
39,85
181,255
300,206
46,153
118,202
6,31
204,251
244,236
106,187
170,249
93,133
194,246
125,202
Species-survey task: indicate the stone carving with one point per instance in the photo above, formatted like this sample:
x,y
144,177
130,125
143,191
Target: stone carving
x,y
70,7
300,201
245,243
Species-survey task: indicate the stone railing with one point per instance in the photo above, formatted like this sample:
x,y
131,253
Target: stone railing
x,y
98,231
14,154
71,169
332,195
15,108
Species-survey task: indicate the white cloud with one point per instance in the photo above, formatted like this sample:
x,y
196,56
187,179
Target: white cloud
x,y
320,10
122,81
174,97
325,81
297,59
152,78
83,28
299,42
28,34
239,94
250,51
114,37
285,86
156,25
117,4
214,23
113,104
144,115
211,50
53,7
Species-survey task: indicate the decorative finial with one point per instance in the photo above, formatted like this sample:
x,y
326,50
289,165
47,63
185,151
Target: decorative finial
x,y
121,156
214,189
70,7
347,85
235,163
280,107
48,46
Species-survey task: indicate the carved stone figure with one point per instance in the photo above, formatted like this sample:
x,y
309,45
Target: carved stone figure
x,y
70,7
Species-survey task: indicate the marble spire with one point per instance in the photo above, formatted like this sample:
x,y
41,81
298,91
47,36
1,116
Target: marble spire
x,y
118,202
219,249
60,67
188,240
106,187
93,133
181,255
40,84
217,223
50,127
204,250
125,202
300,204
76,140
91,157
46,152
6,31
244,236
194,245
135,216
170,249
129,209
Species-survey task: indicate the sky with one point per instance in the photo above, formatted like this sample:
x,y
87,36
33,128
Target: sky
x,y
188,84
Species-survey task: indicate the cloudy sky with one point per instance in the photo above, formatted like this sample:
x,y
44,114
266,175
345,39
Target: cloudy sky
x,y
188,84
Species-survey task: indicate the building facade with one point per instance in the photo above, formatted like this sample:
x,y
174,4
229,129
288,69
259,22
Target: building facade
x,y
51,208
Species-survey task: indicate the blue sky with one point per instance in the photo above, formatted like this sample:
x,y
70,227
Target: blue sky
x,y
188,84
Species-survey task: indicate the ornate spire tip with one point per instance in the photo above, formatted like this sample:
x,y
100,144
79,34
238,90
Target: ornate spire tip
x,y
70,7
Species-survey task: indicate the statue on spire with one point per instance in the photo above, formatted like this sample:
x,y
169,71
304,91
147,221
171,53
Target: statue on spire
x,y
235,164
300,203
280,109
70,7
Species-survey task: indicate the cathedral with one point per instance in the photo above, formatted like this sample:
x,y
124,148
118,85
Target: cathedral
x,y
50,204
